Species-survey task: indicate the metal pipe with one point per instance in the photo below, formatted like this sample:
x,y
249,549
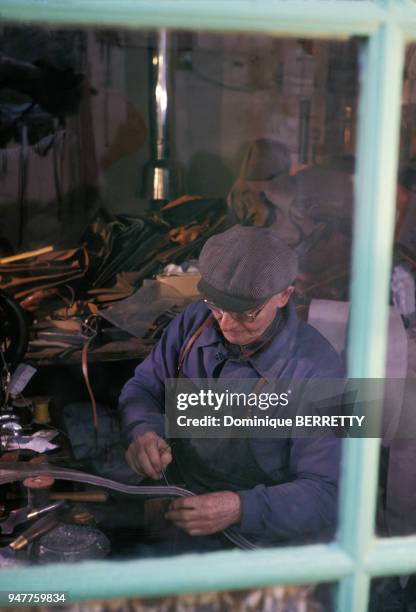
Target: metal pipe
x,y
163,176
160,96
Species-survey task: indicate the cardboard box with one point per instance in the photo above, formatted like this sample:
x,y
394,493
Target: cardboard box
x,y
185,284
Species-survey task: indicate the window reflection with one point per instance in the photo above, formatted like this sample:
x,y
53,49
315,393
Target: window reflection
x,y
397,474
122,155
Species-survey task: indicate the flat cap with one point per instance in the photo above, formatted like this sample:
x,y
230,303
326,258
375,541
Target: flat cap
x,y
244,266
266,159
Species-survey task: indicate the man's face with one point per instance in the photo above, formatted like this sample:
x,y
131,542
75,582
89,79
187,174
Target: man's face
x,y
245,332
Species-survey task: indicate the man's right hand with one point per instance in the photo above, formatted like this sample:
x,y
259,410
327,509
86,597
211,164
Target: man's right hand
x,y
148,455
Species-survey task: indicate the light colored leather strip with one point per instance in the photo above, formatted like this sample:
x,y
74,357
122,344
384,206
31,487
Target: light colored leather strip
x,y
84,362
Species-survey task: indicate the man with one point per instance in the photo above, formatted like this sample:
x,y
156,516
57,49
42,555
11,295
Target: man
x,y
263,193
309,207
244,327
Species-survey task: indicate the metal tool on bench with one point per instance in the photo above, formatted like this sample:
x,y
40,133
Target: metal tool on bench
x,y
21,515
11,472
9,554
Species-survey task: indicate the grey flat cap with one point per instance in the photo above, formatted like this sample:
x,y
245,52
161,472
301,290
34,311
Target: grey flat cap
x,y
244,266
266,159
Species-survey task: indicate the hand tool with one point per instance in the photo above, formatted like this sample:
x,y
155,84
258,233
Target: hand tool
x,y
43,525
16,517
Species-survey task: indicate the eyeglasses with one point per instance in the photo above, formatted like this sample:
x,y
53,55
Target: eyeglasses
x,y
242,317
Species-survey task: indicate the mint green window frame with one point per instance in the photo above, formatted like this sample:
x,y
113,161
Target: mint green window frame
x,y
357,555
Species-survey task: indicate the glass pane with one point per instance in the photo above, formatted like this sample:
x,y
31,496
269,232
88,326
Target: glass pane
x,y
285,598
392,593
123,153
397,507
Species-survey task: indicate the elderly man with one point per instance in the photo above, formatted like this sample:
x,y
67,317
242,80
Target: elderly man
x,y
245,326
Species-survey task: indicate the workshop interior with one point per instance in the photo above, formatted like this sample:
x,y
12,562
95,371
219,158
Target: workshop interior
x,y
121,153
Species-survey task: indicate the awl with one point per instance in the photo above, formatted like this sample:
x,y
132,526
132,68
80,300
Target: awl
x,y
16,517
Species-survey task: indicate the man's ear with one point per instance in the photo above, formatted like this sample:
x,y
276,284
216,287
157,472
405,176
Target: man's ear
x,y
283,296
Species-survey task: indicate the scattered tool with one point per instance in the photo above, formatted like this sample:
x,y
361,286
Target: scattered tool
x,y
43,525
16,517
164,477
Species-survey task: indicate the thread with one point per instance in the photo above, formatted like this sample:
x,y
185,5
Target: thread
x,y
41,411
38,490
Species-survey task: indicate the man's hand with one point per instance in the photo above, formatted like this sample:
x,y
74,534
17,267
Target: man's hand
x,y
148,455
205,514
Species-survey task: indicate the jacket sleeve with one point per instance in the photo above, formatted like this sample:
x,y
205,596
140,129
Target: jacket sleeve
x,y
141,402
307,505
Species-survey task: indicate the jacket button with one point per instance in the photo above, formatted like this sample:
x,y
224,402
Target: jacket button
x,y
219,356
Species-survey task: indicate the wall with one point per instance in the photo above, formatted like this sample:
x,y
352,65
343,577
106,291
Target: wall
x,y
229,91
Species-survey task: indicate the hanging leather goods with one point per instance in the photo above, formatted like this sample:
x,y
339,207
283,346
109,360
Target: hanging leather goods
x,y
27,255
90,326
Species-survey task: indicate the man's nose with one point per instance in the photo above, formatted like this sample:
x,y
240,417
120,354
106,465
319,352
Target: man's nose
x,y
227,322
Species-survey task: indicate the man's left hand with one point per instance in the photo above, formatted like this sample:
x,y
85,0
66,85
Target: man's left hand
x,y
205,514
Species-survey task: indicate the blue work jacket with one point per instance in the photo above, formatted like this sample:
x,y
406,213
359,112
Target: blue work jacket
x,y
288,487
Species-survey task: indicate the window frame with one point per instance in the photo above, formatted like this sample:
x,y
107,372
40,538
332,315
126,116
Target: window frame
x,y
357,555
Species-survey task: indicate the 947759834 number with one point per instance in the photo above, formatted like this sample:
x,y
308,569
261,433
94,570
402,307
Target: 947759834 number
x,y
32,597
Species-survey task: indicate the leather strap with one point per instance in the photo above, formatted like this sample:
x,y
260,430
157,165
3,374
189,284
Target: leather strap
x,y
91,325
259,385
208,321
84,363
12,472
